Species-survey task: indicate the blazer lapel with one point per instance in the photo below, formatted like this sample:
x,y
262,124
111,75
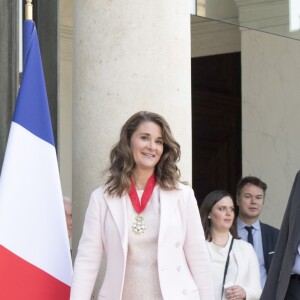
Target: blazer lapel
x,y
295,223
294,211
117,207
168,205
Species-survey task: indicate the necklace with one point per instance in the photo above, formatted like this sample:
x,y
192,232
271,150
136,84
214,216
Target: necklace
x,y
223,245
138,225
220,245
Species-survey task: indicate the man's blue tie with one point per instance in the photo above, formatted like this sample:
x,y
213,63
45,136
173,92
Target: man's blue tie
x,y
250,235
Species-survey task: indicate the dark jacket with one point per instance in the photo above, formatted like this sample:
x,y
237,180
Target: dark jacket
x,y
269,235
286,248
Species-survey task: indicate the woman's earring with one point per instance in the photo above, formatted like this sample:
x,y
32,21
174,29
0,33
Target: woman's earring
x,y
209,217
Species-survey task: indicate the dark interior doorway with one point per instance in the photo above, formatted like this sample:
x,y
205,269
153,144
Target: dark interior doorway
x,y
216,123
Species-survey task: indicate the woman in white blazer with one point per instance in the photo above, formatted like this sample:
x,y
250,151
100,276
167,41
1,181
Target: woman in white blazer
x,y
145,222
235,267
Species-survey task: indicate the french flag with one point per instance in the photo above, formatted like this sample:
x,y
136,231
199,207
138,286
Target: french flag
x,y
35,260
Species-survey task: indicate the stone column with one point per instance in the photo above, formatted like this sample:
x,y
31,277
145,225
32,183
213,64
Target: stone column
x,y
128,56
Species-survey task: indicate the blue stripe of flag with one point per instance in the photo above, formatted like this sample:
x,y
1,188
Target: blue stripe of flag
x,y
32,109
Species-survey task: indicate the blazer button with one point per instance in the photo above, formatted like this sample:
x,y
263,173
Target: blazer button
x,y
177,244
184,292
179,268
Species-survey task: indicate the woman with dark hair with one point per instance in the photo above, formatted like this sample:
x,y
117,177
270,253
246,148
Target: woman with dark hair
x,y
234,264
145,222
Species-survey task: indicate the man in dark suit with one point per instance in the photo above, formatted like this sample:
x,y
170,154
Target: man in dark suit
x,y
283,282
250,194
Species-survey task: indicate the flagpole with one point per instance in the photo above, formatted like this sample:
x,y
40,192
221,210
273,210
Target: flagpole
x,y
28,10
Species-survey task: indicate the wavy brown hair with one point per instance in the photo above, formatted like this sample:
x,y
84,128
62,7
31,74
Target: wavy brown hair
x,y
122,162
206,207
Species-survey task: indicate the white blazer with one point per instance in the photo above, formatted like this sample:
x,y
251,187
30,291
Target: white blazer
x,y
183,261
248,274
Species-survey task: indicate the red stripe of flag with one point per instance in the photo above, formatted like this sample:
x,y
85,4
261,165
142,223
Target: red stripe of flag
x,y
22,280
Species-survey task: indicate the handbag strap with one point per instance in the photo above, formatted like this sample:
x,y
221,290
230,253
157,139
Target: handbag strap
x,y
226,266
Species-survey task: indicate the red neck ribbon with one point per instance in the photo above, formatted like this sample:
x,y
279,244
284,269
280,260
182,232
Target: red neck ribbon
x,y
139,207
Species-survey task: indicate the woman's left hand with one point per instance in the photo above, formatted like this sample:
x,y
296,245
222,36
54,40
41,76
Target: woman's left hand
x,y
235,292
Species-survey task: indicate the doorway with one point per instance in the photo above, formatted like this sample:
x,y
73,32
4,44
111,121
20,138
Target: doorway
x,y
216,123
